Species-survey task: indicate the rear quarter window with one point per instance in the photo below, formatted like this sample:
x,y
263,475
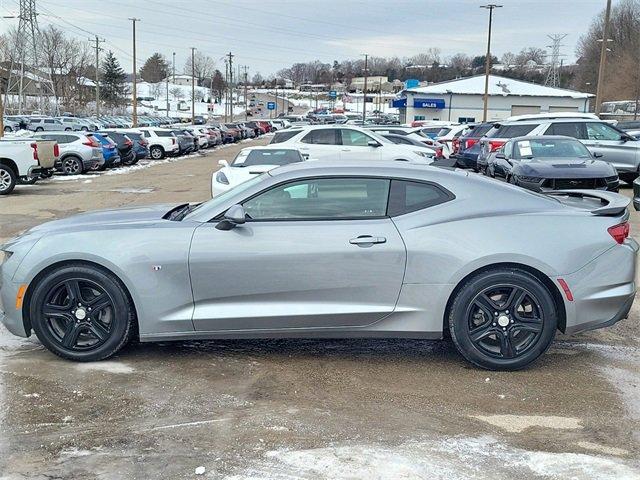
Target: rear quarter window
x,y
512,131
409,196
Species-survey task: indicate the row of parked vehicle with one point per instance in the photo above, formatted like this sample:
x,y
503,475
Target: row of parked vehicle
x,y
26,157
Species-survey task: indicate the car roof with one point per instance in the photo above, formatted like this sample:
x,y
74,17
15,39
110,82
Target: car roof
x,y
542,137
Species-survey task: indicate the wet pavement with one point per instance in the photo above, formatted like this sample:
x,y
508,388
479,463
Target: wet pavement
x,y
304,409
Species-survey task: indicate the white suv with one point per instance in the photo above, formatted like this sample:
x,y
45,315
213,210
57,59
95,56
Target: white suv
x,y
345,142
162,142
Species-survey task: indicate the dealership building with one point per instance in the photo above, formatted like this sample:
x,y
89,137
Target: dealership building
x,y
461,100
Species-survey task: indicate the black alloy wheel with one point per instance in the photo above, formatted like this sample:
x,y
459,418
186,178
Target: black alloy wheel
x,y
503,319
81,313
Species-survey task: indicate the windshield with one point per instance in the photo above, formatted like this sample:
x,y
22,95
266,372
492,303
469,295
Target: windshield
x,y
541,149
221,198
266,157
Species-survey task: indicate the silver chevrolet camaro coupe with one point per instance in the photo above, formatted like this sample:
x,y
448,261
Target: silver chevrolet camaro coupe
x,y
331,250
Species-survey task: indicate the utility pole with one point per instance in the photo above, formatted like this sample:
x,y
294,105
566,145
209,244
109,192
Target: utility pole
x,y
226,89
193,85
487,60
134,118
174,68
246,103
364,99
230,86
167,81
603,57
276,112
98,41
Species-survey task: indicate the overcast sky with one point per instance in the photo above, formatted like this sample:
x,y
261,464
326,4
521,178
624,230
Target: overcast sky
x,y
268,35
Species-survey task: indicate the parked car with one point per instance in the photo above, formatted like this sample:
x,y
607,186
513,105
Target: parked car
x,y
345,142
42,124
72,123
109,152
415,133
636,193
616,146
162,142
495,138
406,140
379,247
140,144
25,160
551,163
186,143
469,147
124,145
249,162
79,152
10,125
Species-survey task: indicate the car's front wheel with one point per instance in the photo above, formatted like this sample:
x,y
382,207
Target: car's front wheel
x,y
8,179
81,313
503,319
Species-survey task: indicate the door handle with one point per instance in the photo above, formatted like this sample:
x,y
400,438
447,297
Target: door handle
x,y
367,240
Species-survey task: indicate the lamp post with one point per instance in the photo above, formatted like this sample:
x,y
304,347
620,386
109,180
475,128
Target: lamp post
x,y
487,60
603,57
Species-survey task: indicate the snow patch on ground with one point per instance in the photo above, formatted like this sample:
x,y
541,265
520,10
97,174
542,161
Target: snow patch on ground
x,y
519,423
9,341
108,366
447,459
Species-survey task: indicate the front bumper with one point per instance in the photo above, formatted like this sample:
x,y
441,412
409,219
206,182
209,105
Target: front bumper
x,y
603,290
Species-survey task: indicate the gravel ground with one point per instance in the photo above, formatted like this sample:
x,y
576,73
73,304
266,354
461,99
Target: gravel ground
x,y
303,409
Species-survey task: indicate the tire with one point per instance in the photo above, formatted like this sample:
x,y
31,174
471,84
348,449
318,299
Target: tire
x,y
39,129
7,129
72,165
503,319
628,177
62,318
84,129
7,180
67,129
156,152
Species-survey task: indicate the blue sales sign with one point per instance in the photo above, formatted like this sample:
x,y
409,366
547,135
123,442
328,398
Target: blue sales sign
x,y
436,103
333,94
271,105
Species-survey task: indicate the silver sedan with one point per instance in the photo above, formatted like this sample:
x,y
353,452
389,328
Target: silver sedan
x,y
320,249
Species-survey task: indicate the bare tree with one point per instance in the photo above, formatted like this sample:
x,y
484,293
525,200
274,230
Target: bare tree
x,y
204,67
176,93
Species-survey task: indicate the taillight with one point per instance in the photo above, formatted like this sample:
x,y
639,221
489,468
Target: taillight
x,y
35,150
470,143
128,142
439,152
56,150
455,145
495,145
619,232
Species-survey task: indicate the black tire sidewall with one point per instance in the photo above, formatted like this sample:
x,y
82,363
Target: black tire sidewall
x,y
122,312
76,160
155,149
458,321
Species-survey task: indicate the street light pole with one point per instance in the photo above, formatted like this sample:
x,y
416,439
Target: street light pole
x,y
134,118
193,85
174,68
603,58
487,60
364,99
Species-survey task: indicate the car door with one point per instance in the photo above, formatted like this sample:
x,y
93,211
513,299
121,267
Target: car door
x,y
320,144
355,145
602,138
317,253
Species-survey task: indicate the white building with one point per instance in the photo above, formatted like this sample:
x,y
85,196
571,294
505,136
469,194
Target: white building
x,y
462,100
182,80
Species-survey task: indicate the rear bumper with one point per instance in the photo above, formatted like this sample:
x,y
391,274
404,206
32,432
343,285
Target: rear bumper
x,y
603,290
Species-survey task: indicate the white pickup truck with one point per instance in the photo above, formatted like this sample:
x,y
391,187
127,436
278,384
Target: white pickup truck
x,y
25,160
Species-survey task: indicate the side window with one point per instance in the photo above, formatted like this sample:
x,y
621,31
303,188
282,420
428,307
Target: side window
x,y
354,138
409,196
65,138
322,198
601,131
508,150
568,129
321,137
49,121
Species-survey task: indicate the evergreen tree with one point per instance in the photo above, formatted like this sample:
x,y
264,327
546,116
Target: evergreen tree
x,y
113,89
155,69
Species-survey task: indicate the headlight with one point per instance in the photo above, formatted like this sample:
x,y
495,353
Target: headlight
x,y
423,154
529,179
222,178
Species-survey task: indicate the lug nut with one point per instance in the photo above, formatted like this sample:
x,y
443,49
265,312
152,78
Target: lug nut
x,y
494,324
507,312
495,313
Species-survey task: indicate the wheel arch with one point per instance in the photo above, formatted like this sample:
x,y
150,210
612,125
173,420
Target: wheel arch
x,y
11,164
544,279
26,320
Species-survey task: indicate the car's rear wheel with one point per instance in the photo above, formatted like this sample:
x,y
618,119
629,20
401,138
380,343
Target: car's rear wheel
x,y
8,179
72,165
81,313
156,152
503,319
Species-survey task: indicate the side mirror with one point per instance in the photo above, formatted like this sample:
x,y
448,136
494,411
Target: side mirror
x,y
597,155
232,217
223,163
626,138
373,143
500,156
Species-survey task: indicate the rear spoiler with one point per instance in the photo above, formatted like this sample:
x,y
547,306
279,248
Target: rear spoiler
x,y
613,204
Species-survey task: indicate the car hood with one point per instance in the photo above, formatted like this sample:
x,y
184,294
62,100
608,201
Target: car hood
x,y
237,175
127,216
564,168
